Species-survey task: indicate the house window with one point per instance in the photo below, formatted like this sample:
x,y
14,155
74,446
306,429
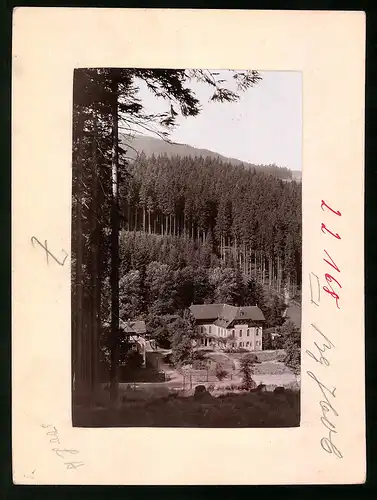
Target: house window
x,y
248,332
240,333
247,344
209,329
202,329
241,344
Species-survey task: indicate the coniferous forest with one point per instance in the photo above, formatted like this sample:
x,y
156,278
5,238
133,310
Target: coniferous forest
x,y
153,234
242,217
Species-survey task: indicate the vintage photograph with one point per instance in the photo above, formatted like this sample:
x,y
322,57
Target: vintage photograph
x,y
186,248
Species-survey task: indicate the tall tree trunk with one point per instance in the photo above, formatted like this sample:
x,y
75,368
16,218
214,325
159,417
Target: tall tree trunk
x,y
95,274
90,298
114,275
279,276
128,216
244,259
78,328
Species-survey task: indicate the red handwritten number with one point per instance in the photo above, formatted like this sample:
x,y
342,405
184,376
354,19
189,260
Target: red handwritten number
x,y
330,290
330,279
332,263
324,204
323,227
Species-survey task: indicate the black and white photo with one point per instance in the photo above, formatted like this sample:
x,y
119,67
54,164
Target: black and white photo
x,y
186,248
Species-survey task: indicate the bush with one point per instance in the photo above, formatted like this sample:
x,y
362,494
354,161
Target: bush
x,y
247,369
133,360
140,375
232,387
199,364
220,373
292,345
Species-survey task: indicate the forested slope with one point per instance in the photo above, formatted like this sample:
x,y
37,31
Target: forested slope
x,y
236,216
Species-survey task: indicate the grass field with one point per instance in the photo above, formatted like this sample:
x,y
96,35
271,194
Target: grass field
x,y
265,409
172,403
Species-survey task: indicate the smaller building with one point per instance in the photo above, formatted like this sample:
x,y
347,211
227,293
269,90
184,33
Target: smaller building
x,y
222,325
136,333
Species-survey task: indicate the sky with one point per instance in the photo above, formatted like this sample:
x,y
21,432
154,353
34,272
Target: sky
x,y
263,127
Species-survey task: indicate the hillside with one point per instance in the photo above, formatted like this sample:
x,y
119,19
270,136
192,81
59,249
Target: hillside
x,y
151,145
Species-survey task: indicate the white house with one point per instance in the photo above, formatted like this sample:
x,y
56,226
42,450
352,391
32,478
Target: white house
x,y
224,325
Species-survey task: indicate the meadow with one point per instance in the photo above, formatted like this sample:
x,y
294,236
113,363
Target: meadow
x,y
251,409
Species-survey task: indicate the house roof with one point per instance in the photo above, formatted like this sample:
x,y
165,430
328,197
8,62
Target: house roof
x,y
223,314
133,327
206,311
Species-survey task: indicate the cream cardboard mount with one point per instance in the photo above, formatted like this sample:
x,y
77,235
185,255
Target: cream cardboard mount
x,y
329,49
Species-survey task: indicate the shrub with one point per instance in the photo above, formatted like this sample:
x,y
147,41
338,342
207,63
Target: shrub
x,y
292,344
247,369
232,387
220,373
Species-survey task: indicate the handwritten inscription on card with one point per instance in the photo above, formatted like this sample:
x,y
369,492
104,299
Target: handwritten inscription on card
x,y
63,453
320,353
48,253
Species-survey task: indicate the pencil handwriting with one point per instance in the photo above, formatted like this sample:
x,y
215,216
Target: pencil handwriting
x,y
327,442
318,289
63,453
48,253
320,350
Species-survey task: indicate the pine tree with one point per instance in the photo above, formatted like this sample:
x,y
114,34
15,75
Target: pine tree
x,y
112,95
